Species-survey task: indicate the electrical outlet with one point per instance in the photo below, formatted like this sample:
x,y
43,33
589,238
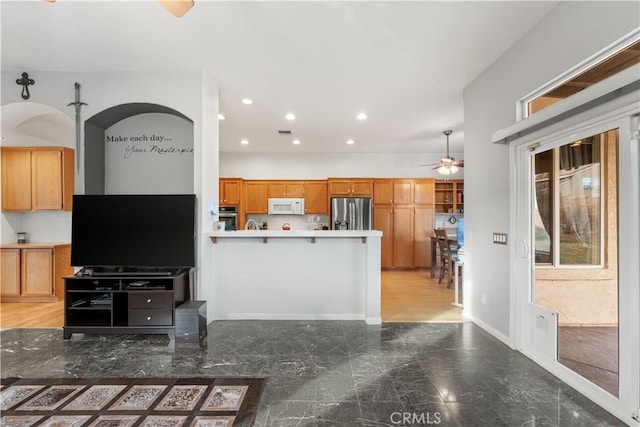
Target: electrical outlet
x,y
483,298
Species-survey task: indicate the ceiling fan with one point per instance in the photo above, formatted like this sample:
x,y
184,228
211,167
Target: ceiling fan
x,y
448,165
176,7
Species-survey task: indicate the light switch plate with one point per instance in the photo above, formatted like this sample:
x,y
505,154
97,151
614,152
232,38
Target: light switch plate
x,y
500,238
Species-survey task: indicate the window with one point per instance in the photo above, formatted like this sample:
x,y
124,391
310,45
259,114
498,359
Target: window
x,y
593,71
568,204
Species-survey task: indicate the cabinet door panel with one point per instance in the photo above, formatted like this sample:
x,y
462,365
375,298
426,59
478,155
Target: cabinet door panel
x,y
422,231
37,272
402,192
383,221
230,192
403,236
339,187
362,188
315,198
16,180
424,192
294,189
256,196
10,273
47,179
277,189
383,192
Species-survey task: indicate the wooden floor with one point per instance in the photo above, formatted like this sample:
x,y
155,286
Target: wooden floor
x,y
412,296
31,315
407,296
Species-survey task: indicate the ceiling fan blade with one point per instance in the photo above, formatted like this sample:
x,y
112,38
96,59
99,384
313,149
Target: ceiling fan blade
x,y
176,7
430,164
459,163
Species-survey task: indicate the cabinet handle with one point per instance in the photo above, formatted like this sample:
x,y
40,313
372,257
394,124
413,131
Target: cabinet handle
x,y
149,300
148,317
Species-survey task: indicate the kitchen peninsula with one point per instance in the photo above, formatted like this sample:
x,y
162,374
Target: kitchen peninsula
x,y
297,274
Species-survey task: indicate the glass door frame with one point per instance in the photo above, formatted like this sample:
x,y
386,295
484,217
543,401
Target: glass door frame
x,y
524,313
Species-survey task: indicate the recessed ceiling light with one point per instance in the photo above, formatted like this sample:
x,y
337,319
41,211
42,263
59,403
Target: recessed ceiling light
x,y
247,101
221,116
361,116
295,142
350,141
244,142
290,116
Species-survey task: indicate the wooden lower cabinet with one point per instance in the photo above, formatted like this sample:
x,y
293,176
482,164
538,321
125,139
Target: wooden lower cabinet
x,y
405,235
34,272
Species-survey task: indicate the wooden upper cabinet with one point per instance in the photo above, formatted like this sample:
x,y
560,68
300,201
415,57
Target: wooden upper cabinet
x,y
393,191
316,199
424,191
350,187
403,192
383,191
229,191
286,189
256,196
16,180
37,178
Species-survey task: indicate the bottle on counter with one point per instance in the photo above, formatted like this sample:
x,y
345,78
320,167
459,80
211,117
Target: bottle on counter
x,y
265,226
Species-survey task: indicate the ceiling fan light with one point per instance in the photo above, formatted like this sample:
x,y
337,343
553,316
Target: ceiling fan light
x,y
453,169
443,170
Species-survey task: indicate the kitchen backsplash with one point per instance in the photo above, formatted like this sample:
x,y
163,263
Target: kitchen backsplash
x,y
296,222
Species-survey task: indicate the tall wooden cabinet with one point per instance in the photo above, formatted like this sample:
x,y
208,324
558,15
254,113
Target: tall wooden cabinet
x,y
404,215
33,272
37,178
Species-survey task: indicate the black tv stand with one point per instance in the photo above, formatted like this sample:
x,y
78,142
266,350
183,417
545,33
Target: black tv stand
x,y
124,302
127,272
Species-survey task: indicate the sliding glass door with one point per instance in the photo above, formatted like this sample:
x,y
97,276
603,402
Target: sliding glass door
x,y
577,222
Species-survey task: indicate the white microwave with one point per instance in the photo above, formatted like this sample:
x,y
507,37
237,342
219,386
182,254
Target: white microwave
x,y
280,206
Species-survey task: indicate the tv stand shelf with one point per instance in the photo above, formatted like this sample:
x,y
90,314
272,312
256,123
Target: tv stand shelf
x,y
123,303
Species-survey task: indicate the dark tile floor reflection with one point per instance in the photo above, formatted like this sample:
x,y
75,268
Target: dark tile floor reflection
x,y
331,373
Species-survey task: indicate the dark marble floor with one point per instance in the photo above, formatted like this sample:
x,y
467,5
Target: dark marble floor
x,y
331,373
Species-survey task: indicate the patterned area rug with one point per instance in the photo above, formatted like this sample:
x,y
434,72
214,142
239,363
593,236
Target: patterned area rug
x,y
124,402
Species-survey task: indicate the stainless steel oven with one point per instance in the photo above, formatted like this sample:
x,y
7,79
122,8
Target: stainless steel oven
x,y
229,214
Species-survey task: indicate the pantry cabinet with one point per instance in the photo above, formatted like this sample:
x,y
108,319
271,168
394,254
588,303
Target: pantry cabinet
x,y
37,178
315,197
229,191
404,212
33,272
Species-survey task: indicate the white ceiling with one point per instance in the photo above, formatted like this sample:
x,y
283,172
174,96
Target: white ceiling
x,y
403,63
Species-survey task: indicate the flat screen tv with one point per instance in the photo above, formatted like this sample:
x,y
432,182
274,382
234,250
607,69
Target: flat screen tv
x,y
133,231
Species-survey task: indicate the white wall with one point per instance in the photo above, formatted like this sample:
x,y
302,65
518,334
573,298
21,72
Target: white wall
x,y
149,154
191,93
325,165
569,34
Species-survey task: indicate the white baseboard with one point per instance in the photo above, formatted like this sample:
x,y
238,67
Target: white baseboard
x,y
490,329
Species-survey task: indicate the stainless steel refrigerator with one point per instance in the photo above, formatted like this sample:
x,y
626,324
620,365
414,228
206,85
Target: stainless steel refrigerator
x,y
351,213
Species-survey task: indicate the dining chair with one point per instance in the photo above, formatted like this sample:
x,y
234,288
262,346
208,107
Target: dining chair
x,y
447,254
